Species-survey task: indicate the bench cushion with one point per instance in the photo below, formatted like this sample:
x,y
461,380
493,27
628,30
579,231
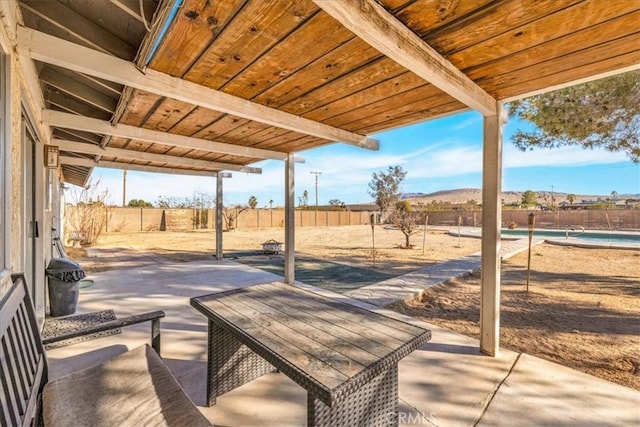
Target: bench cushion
x,y
132,389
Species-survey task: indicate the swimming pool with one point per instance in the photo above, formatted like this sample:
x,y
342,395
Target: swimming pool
x,y
595,236
570,237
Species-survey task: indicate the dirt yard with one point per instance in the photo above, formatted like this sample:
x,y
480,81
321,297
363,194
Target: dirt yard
x,y
582,309
347,245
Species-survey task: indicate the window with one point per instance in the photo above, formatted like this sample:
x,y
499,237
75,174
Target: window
x,y
5,168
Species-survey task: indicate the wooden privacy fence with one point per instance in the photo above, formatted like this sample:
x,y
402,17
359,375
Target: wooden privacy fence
x,y
155,219
606,219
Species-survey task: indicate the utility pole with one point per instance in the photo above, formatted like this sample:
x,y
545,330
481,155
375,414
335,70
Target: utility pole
x,y
316,174
124,188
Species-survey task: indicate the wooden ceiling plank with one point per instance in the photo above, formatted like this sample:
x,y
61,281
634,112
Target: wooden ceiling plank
x,y
577,59
617,28
110,89
59,52
551,27
256,28
263,135
292,144
80,147
320,35
70,121
113,88
167,114
199,118
371,22
374,94
194,28
75,161
576,75
487,23
337,63
399,107
374,73
139,107
91,138
424,16
434,113
70,104
78,90
220,127
244,133
80,27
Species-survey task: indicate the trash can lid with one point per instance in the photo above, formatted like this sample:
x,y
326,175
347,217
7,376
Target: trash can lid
x,y
61,265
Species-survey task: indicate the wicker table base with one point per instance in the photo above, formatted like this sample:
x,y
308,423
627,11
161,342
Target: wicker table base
x,y
374,404
232,364
345,357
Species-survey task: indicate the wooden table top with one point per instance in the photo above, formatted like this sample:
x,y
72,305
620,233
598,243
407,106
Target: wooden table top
x,y
330,342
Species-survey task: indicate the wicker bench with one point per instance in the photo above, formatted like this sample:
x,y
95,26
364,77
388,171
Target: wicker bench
x,y
134,388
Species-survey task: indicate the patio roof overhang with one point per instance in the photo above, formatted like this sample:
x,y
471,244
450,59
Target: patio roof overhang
x,y
289,76
203,86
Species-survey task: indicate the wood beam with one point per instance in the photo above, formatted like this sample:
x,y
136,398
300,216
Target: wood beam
x,y
79,27
89,163
491,225
52,50
219,214
78,90
87,124
380,29
289,222
96,150
592,78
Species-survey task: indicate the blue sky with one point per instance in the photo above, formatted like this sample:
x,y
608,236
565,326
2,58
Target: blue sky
x,y
437,155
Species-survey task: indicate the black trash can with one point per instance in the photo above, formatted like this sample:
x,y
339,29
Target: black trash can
x,y
64,277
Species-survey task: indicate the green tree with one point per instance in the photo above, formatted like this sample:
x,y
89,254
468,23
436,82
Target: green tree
x,y
337,203
529,198
253,202
571,198
304,199
139,203
603,113
385,187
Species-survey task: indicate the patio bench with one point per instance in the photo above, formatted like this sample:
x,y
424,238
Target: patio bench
x,y
134,388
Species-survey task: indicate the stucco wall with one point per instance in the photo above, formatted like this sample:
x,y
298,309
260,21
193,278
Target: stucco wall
x,y
25,95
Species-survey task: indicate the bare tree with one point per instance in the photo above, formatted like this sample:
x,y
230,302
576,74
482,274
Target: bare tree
x,y
88,217
406,220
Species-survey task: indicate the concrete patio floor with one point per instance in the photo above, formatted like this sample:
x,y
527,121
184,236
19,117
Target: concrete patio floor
x,y
447,382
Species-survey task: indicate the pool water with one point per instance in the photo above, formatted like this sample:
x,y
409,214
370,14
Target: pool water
x,y
587,235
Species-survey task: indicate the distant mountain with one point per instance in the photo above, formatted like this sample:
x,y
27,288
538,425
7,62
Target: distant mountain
x,y
464,195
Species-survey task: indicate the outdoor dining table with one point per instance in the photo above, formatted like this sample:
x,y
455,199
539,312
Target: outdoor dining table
x,y
346,357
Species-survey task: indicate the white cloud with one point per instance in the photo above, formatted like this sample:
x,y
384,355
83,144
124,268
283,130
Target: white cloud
x,y
346,176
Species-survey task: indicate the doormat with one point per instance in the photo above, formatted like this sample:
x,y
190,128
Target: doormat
x,y
55,327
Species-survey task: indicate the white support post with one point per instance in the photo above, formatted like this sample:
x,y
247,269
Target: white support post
x,y
289,221
219,216
491,224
